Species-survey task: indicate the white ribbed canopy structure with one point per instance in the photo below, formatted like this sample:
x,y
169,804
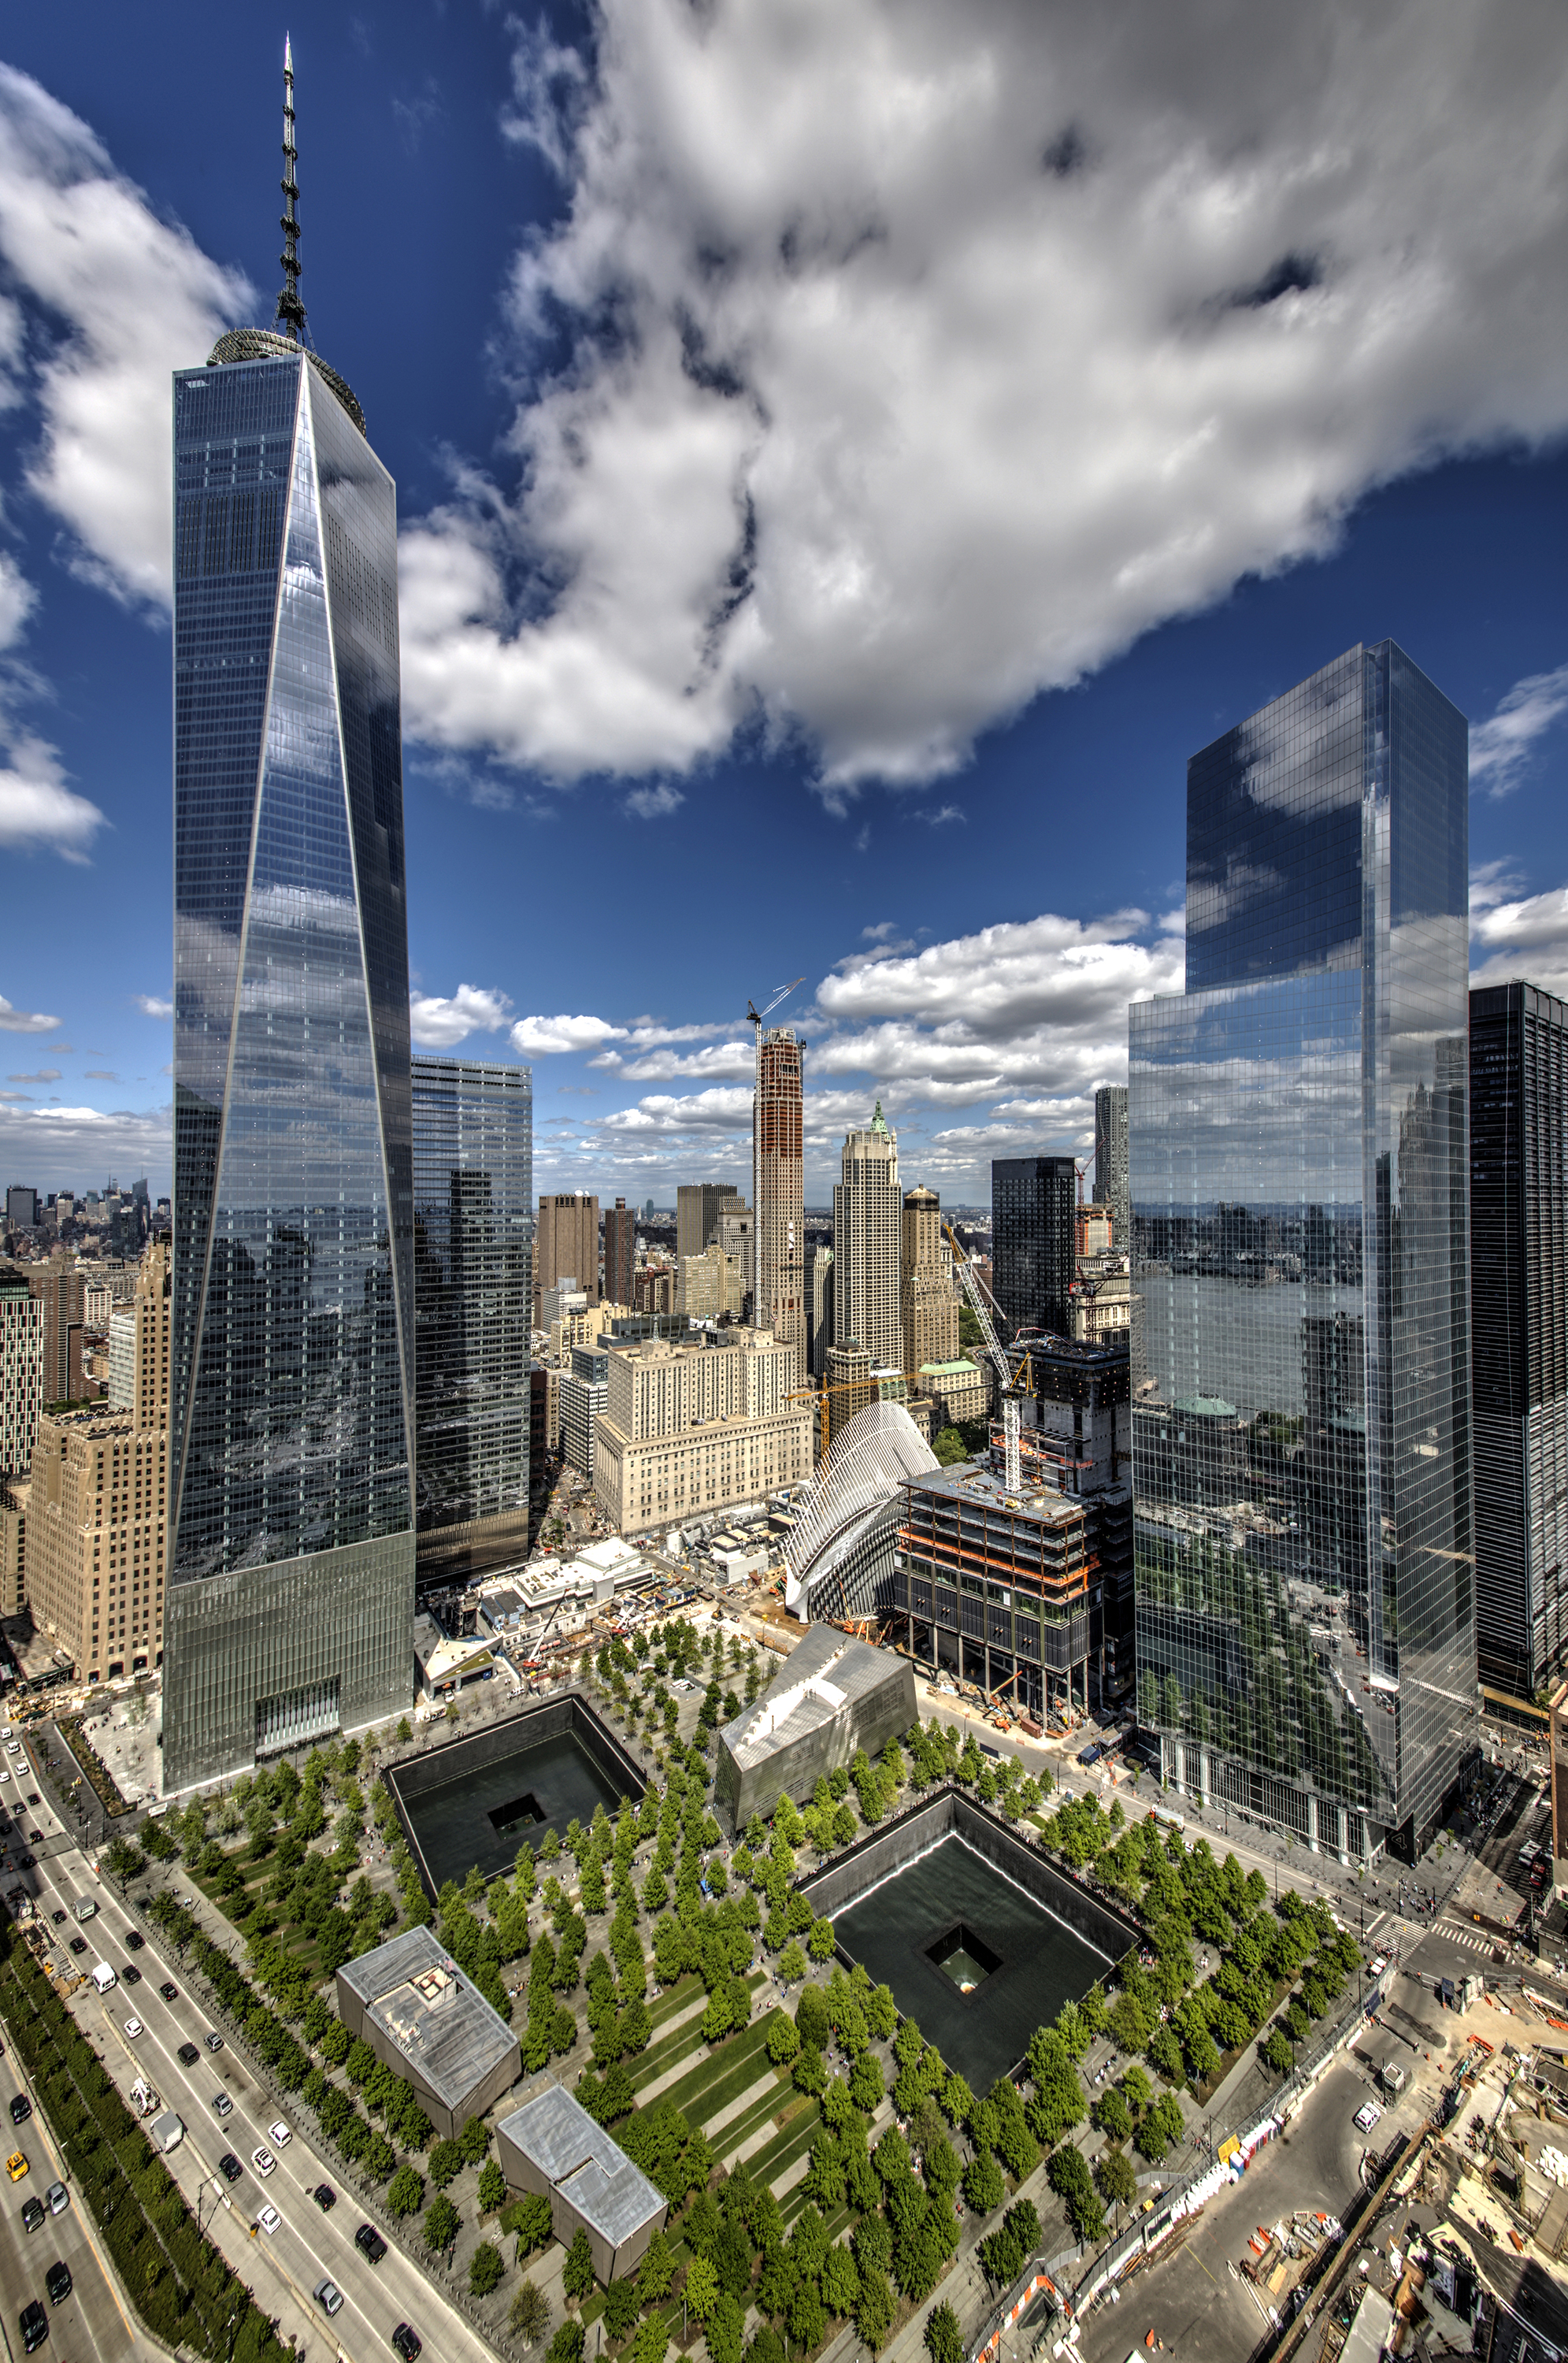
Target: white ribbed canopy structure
x,y
839,1546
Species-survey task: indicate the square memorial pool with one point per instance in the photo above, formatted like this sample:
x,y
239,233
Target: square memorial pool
x,y
976,1962
478,1800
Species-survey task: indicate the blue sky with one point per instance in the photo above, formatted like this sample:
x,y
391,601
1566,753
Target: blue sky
x,y
848,457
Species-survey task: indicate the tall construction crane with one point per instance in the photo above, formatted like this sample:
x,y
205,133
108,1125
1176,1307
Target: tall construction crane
x,y
999,1363
756,1016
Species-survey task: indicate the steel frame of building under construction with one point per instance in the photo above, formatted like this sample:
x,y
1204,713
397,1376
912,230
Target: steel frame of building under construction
x,y
840,1557
994,1586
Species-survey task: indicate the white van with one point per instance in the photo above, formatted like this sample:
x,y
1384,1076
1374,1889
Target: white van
x,y
103,1977
169,2131
85,1908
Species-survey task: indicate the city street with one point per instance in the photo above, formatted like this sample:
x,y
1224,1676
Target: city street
x,y
95,2319
281,2269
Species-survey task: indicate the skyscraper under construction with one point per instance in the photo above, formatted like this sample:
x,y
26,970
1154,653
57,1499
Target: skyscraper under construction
x,y
778,1190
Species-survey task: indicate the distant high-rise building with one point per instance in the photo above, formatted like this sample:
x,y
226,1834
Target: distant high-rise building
x,y
819,1308
567,1242
928,1310
868,1226
21,1371
737,1241
121,1327
60,1290
778,1185
620,1251
473,1223
697,1205
1110,1160
291,1604
21,1208
1518,1314
1034,1204
849,1382
1301,1443
583,1400
648,1211
97,1510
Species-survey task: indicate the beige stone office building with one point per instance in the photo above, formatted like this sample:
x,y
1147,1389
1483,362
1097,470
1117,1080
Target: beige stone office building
x,y
928,1310
691,1429
96,1521
868,1233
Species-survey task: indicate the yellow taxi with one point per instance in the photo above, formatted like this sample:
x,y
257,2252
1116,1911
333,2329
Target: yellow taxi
x,y
16,2166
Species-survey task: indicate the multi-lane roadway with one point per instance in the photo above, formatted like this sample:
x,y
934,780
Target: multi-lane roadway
x,y
281,2267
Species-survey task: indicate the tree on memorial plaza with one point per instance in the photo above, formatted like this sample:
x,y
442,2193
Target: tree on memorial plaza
x,y
442,2222
944,2340
577,2274
1113,2173
529,2317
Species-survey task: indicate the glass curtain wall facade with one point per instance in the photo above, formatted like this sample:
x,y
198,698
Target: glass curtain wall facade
x,y
1304,1567
1034,1205
290,1592
1518,1300
473,1285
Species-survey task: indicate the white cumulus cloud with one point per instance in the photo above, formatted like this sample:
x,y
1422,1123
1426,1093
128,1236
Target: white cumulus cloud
x,y
24,1021
1501,749
38,811
151,1005
538,1037
923,353
440,1024
137,298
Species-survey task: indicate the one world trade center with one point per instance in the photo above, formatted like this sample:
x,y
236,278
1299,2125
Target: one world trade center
x,y
291,1585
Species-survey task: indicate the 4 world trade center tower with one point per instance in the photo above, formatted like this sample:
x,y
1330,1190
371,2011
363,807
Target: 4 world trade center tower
x,y
1304,1559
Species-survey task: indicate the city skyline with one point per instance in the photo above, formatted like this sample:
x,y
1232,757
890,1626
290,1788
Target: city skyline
x,y
934,840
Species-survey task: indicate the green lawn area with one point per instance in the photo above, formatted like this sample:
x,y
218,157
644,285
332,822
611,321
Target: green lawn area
x,y
675,1998
752,2120
661,2057
796,2138
714,2083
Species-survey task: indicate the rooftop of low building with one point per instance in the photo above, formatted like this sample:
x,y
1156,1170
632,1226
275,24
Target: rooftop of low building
x,y
413,1989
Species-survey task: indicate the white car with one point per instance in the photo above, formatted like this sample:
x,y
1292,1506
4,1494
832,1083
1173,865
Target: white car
x,y
13,1748
1379,1965
1368,2116
264,2162
281,2134
133,2029
268,2220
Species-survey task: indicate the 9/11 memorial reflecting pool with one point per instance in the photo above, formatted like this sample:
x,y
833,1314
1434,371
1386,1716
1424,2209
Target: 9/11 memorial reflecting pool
x,y
973,1959
477,1801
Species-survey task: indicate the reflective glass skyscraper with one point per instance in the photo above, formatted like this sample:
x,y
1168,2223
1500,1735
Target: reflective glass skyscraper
x,y
473,1285
291,1584
1306,1632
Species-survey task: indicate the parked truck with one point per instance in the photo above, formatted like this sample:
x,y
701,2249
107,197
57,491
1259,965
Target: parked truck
x,y
169,2131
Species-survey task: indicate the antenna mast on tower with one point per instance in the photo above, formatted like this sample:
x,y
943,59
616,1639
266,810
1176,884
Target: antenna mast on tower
x,y
291,312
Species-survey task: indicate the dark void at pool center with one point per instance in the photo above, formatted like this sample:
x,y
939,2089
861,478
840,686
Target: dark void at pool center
x,y
976,1960
477,1801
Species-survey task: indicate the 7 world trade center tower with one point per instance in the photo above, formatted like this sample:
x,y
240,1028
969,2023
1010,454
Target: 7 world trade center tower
x,y
292,1564
1304,1563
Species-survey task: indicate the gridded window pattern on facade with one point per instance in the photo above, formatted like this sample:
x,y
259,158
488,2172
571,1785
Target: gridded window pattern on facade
x,y
473,1237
